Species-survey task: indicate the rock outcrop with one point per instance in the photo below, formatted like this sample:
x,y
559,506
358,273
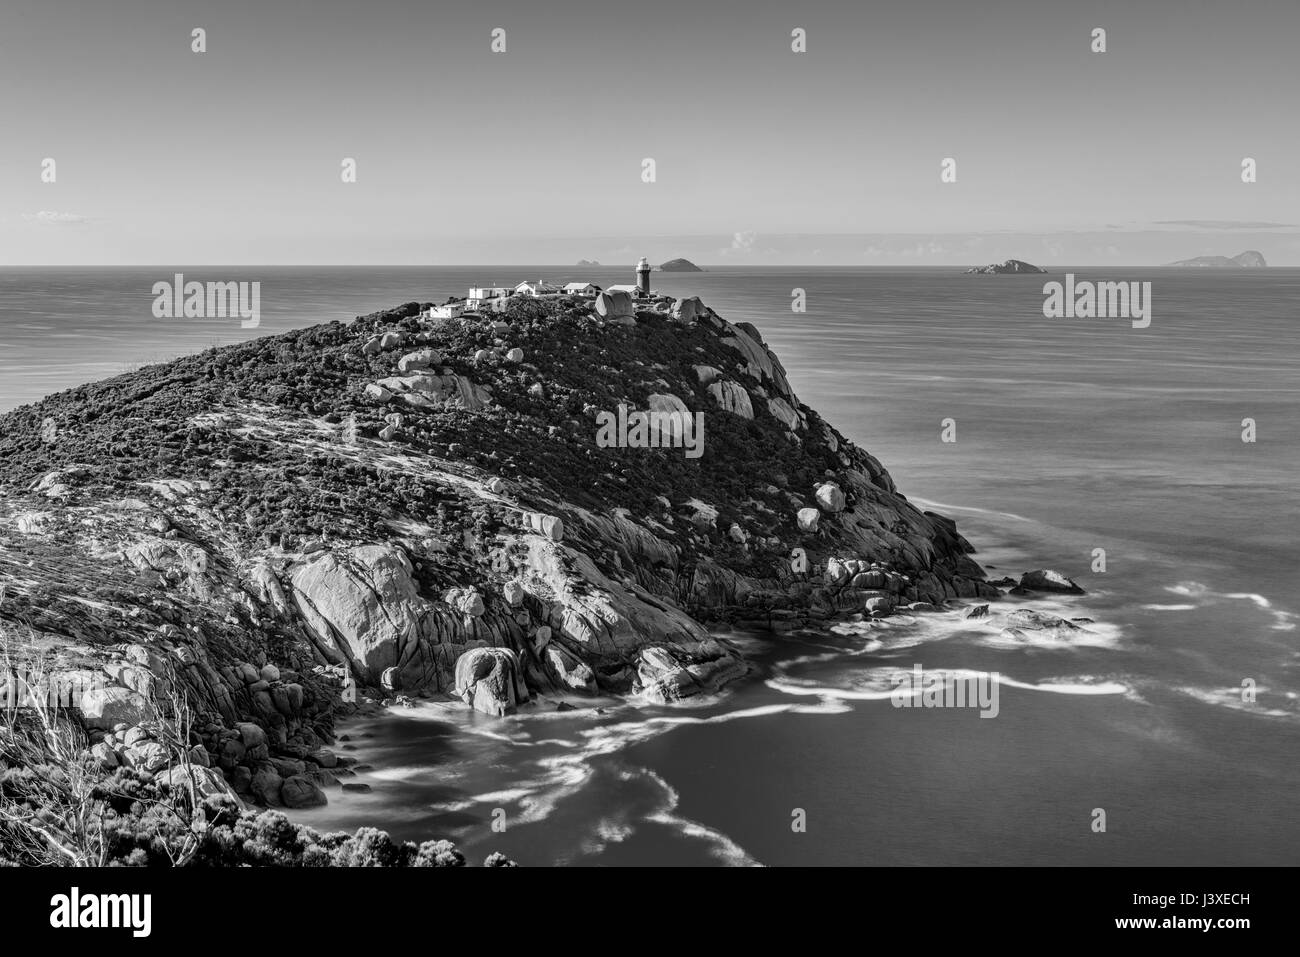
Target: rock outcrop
x,y
732,397
614,305
106,708
434,391
490,680
688,310
361,605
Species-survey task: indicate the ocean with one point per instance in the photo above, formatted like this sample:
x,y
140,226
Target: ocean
x,y
1072,435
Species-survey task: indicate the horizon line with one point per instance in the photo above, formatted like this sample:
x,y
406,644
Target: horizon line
x,y
706,267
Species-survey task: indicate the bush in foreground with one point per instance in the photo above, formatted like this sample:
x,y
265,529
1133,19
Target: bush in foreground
x,y
138,823
59,807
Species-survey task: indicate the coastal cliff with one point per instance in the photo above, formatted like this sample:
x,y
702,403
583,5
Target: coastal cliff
x,y
422,506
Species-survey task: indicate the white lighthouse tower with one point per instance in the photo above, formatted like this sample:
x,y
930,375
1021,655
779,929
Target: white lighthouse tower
x,y
643,278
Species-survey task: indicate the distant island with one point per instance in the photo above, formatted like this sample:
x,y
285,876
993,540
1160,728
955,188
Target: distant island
x,y
1010,266
1250,259
680,265
588,262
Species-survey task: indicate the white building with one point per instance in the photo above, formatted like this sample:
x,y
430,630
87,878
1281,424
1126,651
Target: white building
x,y
631,289
581,289
535,287
485,298
452,310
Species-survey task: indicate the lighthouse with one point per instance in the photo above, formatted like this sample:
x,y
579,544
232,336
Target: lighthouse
x,y
643,278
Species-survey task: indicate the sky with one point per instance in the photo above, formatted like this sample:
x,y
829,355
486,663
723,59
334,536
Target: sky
x,y
535,154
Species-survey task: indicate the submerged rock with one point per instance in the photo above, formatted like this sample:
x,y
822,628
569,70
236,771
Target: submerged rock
x,y
1048,580
1025,624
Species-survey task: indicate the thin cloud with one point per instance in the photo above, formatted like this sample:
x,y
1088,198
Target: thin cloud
x,y
48,217
1221,224
742,243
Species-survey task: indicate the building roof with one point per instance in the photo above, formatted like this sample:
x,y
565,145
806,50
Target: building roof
x,y
578,285
623,287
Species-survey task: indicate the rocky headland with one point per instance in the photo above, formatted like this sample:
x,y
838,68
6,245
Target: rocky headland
x,y
404,506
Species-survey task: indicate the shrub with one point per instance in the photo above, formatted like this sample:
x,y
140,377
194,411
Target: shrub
x,y
58,806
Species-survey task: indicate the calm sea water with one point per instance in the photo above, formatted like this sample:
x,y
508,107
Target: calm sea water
x,y
1072,435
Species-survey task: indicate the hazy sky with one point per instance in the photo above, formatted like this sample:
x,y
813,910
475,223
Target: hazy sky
x,y
763,155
